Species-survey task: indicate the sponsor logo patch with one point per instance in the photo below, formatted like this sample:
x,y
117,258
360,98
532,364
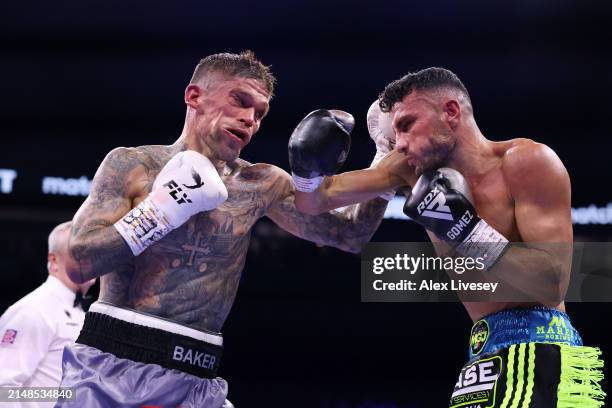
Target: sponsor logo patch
x,y
556,330
434,206
479,336
9,336
477,384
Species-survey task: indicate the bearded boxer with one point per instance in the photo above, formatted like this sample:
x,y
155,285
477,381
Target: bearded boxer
x,y
167,229
515,190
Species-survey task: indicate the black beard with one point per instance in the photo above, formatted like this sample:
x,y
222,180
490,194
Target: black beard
x,y
437,156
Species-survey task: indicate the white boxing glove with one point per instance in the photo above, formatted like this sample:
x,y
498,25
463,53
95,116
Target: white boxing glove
x,y
381,132
186,185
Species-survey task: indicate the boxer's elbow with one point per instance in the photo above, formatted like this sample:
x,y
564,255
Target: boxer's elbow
x,y
345,246
553,287
355,248
73,265
354,244
558,274
75,275
555,265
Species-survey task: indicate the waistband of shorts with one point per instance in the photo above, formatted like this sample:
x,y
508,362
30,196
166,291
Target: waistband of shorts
x,y
155,322
537,324
149,339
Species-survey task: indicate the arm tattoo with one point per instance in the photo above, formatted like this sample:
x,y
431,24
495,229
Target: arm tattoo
x,y
348,229
95,244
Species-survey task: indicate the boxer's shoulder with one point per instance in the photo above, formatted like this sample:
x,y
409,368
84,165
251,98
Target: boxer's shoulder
x,y
524,156
504,147
127,158
267,181
266,174
526,162
134,168
152,157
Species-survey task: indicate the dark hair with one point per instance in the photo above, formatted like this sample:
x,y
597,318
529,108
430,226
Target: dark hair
x,y
426,79
244,65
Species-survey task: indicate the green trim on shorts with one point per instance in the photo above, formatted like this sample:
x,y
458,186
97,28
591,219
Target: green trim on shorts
x,y
520,377
581,375
579,385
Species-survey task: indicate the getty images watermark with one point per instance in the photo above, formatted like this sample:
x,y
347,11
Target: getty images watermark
x,y
421,263
541,273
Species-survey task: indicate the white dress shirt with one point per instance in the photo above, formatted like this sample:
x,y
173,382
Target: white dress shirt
x,y
33,333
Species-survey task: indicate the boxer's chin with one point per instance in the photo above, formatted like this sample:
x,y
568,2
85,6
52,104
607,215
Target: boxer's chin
x,y
228,154
438,156
233,155
431,161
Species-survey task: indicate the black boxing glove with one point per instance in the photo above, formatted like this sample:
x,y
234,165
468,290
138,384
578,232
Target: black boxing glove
x,y
442,203
318,147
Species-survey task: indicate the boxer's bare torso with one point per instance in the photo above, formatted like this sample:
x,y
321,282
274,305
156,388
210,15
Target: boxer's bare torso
x,y
505,173
191,275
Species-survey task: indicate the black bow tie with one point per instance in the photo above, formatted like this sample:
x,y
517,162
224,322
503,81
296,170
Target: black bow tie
x,y
83,301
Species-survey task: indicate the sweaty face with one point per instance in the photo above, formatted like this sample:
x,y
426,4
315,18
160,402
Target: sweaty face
x,y
230,113
420,132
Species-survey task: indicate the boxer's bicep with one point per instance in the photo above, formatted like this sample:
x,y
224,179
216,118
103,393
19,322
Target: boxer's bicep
x,y
94,243
542,208
108,199
541,190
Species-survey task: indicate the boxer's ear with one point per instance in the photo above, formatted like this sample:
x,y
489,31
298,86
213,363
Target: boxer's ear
x,y
451,113
193,92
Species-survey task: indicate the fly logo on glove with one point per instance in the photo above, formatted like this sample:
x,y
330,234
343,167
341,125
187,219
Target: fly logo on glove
x,y
197,179
175,190
436,206
163,209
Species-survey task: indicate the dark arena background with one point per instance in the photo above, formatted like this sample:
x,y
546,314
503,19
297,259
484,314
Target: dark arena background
x,y
80,78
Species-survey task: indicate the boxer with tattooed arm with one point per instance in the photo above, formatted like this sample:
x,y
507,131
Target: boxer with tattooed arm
x,y
167,229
